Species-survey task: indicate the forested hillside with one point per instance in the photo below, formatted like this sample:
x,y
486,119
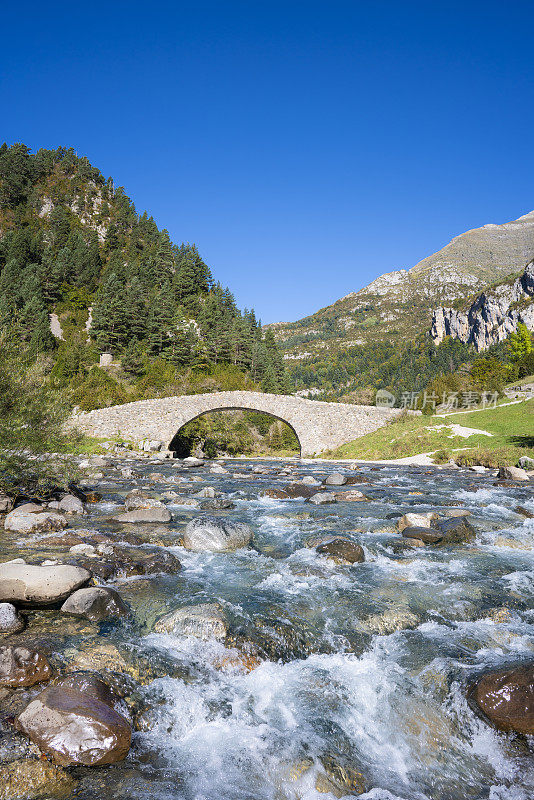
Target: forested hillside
x,y
73,246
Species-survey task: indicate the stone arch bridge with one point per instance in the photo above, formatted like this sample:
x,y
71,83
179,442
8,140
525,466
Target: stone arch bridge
x,y
318,425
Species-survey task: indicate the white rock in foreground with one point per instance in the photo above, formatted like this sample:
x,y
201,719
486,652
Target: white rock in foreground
x,y
25,583
415,520
30,518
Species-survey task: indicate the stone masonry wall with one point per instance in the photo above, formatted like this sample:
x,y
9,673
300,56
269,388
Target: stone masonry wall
x,y
319,426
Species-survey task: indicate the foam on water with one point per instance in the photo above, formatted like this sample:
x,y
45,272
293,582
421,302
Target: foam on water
x,y
393,644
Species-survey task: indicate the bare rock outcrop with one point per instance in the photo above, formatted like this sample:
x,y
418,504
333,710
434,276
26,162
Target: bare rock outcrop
x,y
492,317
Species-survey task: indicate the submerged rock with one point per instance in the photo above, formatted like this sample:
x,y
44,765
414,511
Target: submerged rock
x,y
276,639
75,727
524,512
95,603
296,490
506,698
155,513
179,500
205,621
275,494
20,666
217,504
25,583
32,778
216,534
122,561
391,621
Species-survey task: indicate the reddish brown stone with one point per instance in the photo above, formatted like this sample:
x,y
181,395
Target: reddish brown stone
x,y
342,549
276,494
506,698
75,727
20,666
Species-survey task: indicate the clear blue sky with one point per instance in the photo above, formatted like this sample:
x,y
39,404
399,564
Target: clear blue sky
x,y
306,147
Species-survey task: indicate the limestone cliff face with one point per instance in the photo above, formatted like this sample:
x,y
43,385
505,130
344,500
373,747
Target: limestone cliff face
x,y
397,306
492,316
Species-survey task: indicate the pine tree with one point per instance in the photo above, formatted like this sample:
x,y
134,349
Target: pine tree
x,y
109,315
132,359
41,339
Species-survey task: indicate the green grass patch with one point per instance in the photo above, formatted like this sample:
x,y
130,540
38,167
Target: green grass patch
x,y
512,428
87,445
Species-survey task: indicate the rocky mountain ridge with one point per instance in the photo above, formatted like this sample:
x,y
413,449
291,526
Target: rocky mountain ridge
x,y
492,316
398,305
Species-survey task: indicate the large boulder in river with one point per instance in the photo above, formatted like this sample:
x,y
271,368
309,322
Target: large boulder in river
x,y
76,727
310,480
216,534
423,534
350,496
34,585
413,520
95,603
513,474
20,666
506,699
341,550
30,518
204,621
297,490
71,505
321,498
336,479
456,530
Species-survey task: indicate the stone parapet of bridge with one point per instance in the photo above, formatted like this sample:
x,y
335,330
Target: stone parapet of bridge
x,y
319,426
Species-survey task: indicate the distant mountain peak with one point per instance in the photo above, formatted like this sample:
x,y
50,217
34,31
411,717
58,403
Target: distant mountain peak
x,y
397,306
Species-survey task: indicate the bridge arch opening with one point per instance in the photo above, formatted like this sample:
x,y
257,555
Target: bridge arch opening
x,y
235,430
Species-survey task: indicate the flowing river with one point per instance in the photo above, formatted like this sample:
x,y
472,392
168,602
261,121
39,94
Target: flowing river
x,y
365,689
